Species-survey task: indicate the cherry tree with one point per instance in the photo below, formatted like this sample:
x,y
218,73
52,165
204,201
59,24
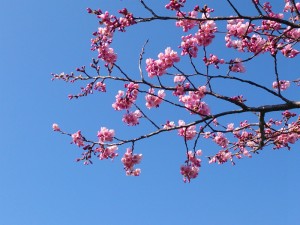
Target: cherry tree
x,y
189,79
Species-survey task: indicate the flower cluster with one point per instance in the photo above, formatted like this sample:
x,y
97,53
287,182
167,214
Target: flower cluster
x,y
221,140
221,157
158,67
132,118
100,86
104,35
203,37
105,134
213,59
169,125
152,100
237,66
129,160
289,7
187,132
188,23
193,102
283,85
125,100
191,169
175,4
78,139
107,153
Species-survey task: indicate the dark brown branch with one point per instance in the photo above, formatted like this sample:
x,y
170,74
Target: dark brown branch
x,y
234,8
220,18
262,130
149,9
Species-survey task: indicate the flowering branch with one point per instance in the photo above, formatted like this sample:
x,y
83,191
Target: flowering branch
x,y
169,83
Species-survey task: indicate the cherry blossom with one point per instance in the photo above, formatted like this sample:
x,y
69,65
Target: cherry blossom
x,y
106,153
129,160
237,66
221,140
78,139
283,84
55,127
100,86
158,67
187,24
187,132
105,134
152,100
125,100
132,118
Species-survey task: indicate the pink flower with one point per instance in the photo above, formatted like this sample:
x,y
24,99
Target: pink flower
x,y
107,54
230,127
152,100
78,139
158,67
221,157
100,86
189,45
105,135
283,84
188,132
125,100
221,140
205,34
237,66
169,125
193,102
132,119
169,58
180,89
199,152
129,160
289,52
189,172
186,24
213,59
179,79
191,169
175,4
109,152
238,28
55,127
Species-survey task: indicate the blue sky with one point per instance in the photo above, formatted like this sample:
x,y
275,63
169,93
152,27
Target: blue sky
x,y
41,184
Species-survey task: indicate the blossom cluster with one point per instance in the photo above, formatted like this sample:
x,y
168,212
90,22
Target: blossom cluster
x,y
193,102
283,85
246,36
175,4
154,100
129,160
105,134
187,132
165,60
203,37
107,153
125,100
192,167
104,36
132,118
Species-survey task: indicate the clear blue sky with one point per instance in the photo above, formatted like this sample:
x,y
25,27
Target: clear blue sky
x,y
41,184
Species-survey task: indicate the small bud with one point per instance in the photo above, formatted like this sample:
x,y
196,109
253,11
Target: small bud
x,y
89,10
55,127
